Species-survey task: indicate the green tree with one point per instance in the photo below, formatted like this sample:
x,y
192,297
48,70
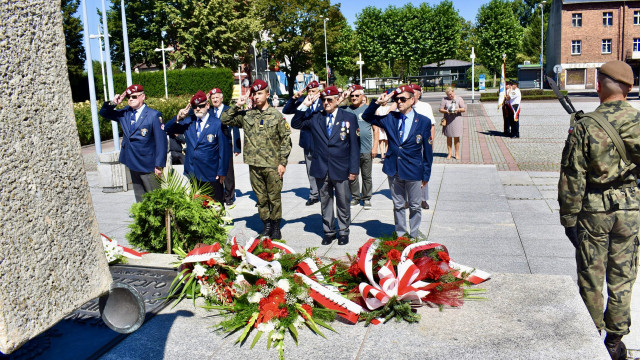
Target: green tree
x,y
531,39
372,37
468,40
497,28
445,32
73,36
341,52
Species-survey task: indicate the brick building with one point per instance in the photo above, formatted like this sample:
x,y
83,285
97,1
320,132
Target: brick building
x,y
584,34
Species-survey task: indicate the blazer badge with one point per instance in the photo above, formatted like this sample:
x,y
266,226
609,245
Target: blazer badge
x,y
144,131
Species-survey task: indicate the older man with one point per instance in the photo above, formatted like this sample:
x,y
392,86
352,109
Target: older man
x,y
408,164
207,145
306,139
144,142
233,134
335,159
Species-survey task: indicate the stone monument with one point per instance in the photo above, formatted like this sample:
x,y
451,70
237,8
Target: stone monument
x,y
51,255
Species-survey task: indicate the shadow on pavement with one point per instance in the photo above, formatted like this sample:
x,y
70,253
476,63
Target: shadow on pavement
x,y
376,228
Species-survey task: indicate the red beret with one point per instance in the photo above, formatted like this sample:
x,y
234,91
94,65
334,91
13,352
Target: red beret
x,y
134,89
258,85
198,98
416,87
330,91
356,87
215,91
312,85
401,89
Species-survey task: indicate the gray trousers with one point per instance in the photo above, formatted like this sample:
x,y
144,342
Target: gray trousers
x,y
143,183
327,188
406,191
425,192
313,186
365,171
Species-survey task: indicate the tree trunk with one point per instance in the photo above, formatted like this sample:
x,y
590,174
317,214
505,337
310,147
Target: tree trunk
x,y
494,80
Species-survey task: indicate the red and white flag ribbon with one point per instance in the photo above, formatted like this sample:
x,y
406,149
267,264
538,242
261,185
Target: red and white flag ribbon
x,y
126,252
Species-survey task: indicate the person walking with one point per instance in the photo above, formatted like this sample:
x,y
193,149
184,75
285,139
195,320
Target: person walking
x,y
368,136
207,158
408,164
306,138
233,135
424,109
144,141
598,197
267,144
452,107
335,159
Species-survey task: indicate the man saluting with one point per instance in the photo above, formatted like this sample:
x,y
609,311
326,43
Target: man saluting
x,y
144,143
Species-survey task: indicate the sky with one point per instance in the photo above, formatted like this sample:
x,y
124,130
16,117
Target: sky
x,y
466,8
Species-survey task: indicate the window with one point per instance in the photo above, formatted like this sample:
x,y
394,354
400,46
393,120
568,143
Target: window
x,y
636,44
576,47
607,18
576,20
636,18
606,46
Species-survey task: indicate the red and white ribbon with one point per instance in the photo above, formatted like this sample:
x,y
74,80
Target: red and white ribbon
x,y
331,300
126,252
204,253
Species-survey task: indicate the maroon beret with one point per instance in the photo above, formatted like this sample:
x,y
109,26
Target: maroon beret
x,y
401,89
198,98
134,89
356,87
330,91
312,85
215,91
416,87
258,85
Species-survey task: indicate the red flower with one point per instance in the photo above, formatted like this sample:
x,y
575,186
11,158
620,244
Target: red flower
x,y
261,283
435,271
308,309
278,295
268,310
283,313
266,256
267,244
211,262
391,243
205,203
444,256
394,255
403,239
354,270
333,270
234,248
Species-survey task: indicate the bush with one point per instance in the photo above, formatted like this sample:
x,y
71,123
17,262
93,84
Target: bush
x,y
527,94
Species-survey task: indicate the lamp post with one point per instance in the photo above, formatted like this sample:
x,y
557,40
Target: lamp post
x,y
541,42
92,89
107,49
164,67
360,62
104,83
125,43
326,56
473,76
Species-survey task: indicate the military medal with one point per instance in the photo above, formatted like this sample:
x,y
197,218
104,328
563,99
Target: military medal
x,y
210,138
261,123
343,136
358,132
418,139
144,131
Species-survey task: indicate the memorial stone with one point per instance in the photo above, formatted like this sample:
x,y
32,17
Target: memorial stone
x,y
51,255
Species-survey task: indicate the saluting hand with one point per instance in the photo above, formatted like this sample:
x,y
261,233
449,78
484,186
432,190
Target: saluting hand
x,y
299,93
118,98
184,112
309,100
383,99
242,100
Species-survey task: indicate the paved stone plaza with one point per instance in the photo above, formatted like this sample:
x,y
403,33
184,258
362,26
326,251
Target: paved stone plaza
x,y
494,209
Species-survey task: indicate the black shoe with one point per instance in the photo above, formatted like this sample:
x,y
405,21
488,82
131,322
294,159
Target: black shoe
x,y
327,239
275,231
424,205
229,202
343,240
311,202
615,346
268,229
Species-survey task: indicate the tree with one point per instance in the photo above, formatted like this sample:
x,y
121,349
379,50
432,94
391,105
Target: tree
x,y
73,36
468,39
445,32
341,52
531,40
372,39
497,27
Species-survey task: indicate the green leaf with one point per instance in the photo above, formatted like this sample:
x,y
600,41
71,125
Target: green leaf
x,y
269,340
324,324
255,339
294,333
247,328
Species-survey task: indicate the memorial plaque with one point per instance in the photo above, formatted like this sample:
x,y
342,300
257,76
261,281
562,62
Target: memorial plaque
x,y
82,334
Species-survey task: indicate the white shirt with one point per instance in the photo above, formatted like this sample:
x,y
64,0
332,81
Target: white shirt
x,y
515,96
139,111
332,120
219,111
203,124
424,109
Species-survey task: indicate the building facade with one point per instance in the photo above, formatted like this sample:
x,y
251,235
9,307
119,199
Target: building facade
x,y
584,34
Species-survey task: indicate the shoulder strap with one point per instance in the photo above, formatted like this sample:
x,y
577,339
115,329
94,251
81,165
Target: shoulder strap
x,y
612,132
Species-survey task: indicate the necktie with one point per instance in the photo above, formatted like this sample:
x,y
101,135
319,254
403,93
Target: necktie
x,y
133,120
402,124
198,128
330,125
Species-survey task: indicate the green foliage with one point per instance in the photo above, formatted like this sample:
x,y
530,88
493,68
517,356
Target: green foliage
x,y
479,69
498,32
342,55
468,40
394,309
527,94
73,37
531,40
194,217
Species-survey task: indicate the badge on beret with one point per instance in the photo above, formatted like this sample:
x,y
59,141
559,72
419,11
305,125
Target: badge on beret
x,y
418,139
210,138
144,131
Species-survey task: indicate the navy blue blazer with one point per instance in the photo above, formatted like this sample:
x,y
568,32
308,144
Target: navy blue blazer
x,y
411,159
338,154
232,132
207,156
145,147
306,138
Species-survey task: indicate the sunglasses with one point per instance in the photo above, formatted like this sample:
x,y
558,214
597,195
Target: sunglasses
x,y
356,95
402,99
201,106
133,97
329,100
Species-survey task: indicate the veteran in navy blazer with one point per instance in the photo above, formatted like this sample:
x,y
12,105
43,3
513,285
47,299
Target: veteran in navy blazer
x,y
306,138
409,158
207,158
336,158
144,142
233,135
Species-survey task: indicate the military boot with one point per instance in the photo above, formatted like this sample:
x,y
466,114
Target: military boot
x,y
615,346
275,234
268,229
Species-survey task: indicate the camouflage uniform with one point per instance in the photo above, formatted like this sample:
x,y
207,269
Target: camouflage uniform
x,y
267,144
598,193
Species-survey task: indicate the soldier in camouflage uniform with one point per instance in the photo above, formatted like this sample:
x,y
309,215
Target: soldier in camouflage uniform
x,y
267,145
599,202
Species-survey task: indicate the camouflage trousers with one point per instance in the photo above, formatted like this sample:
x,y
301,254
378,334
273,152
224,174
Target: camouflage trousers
x,y
608,250
267,185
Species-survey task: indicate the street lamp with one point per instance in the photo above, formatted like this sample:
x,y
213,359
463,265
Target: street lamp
x,y
164,67
326,57
104,83
541,42
473,76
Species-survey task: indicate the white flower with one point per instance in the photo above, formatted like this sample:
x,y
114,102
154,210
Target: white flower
x,y
277,256
206,290
266,327
277,336
199,270
284,285
298,322
240,278
255,298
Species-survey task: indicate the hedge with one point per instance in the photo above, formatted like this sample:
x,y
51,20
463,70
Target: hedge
x,y
527,94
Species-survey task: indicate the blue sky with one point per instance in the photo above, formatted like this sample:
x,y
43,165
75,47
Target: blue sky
x,y
466,8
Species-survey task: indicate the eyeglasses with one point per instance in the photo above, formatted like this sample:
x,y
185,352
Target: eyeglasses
x,y
201,106
401,99
356,95
133,97
329,100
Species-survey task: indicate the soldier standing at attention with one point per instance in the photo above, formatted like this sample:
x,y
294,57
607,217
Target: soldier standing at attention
x,y
144,141
514,109
267,145
506,115
598,199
